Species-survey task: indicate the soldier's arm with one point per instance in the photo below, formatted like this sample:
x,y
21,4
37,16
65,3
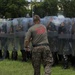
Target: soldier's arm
x,y
27,43
27,39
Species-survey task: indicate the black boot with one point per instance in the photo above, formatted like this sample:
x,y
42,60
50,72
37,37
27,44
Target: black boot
x,y
73,61
55,62
28,54
14,55
0,54
60,57
7,54
65,63
24,55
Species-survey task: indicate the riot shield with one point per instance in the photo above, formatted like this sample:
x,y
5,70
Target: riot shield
x,y
64,36
53,34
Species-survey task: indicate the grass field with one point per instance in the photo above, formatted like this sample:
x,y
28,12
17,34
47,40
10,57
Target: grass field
x,y
9,67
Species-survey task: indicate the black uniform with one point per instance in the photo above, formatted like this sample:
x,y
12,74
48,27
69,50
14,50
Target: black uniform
x,y
23,27
73,46
21,42
64,45
53,41
13,28
4,42
0,45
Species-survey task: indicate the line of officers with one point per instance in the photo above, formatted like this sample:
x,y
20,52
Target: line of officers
x,y
63,47
63,50
13,43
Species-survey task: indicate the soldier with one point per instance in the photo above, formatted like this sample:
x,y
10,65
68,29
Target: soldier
x,y
41,50
53,41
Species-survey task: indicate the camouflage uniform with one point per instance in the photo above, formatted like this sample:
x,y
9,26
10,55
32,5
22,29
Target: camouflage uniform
x,y
41,50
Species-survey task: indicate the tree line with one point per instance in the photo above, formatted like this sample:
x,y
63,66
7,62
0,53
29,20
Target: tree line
x,y
18,8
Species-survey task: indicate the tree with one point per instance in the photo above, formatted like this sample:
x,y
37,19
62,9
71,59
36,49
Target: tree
x,y
38,9
13,8
46,7
50,7
69,7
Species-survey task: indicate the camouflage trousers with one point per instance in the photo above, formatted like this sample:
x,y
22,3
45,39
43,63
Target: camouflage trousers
x,y
42,53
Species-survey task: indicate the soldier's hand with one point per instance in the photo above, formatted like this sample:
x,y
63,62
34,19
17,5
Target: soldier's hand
x,y
27,48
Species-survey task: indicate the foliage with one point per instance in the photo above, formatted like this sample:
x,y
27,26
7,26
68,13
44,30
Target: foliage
x,y
50,7
39,10
17,8
69,7
13,8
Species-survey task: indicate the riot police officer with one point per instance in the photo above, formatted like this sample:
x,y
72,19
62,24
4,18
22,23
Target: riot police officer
x,y
73,43
0,45
13,29
64,46
53,40
22,29
4,41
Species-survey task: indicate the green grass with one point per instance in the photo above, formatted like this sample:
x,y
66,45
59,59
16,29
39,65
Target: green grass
x,y
9,67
